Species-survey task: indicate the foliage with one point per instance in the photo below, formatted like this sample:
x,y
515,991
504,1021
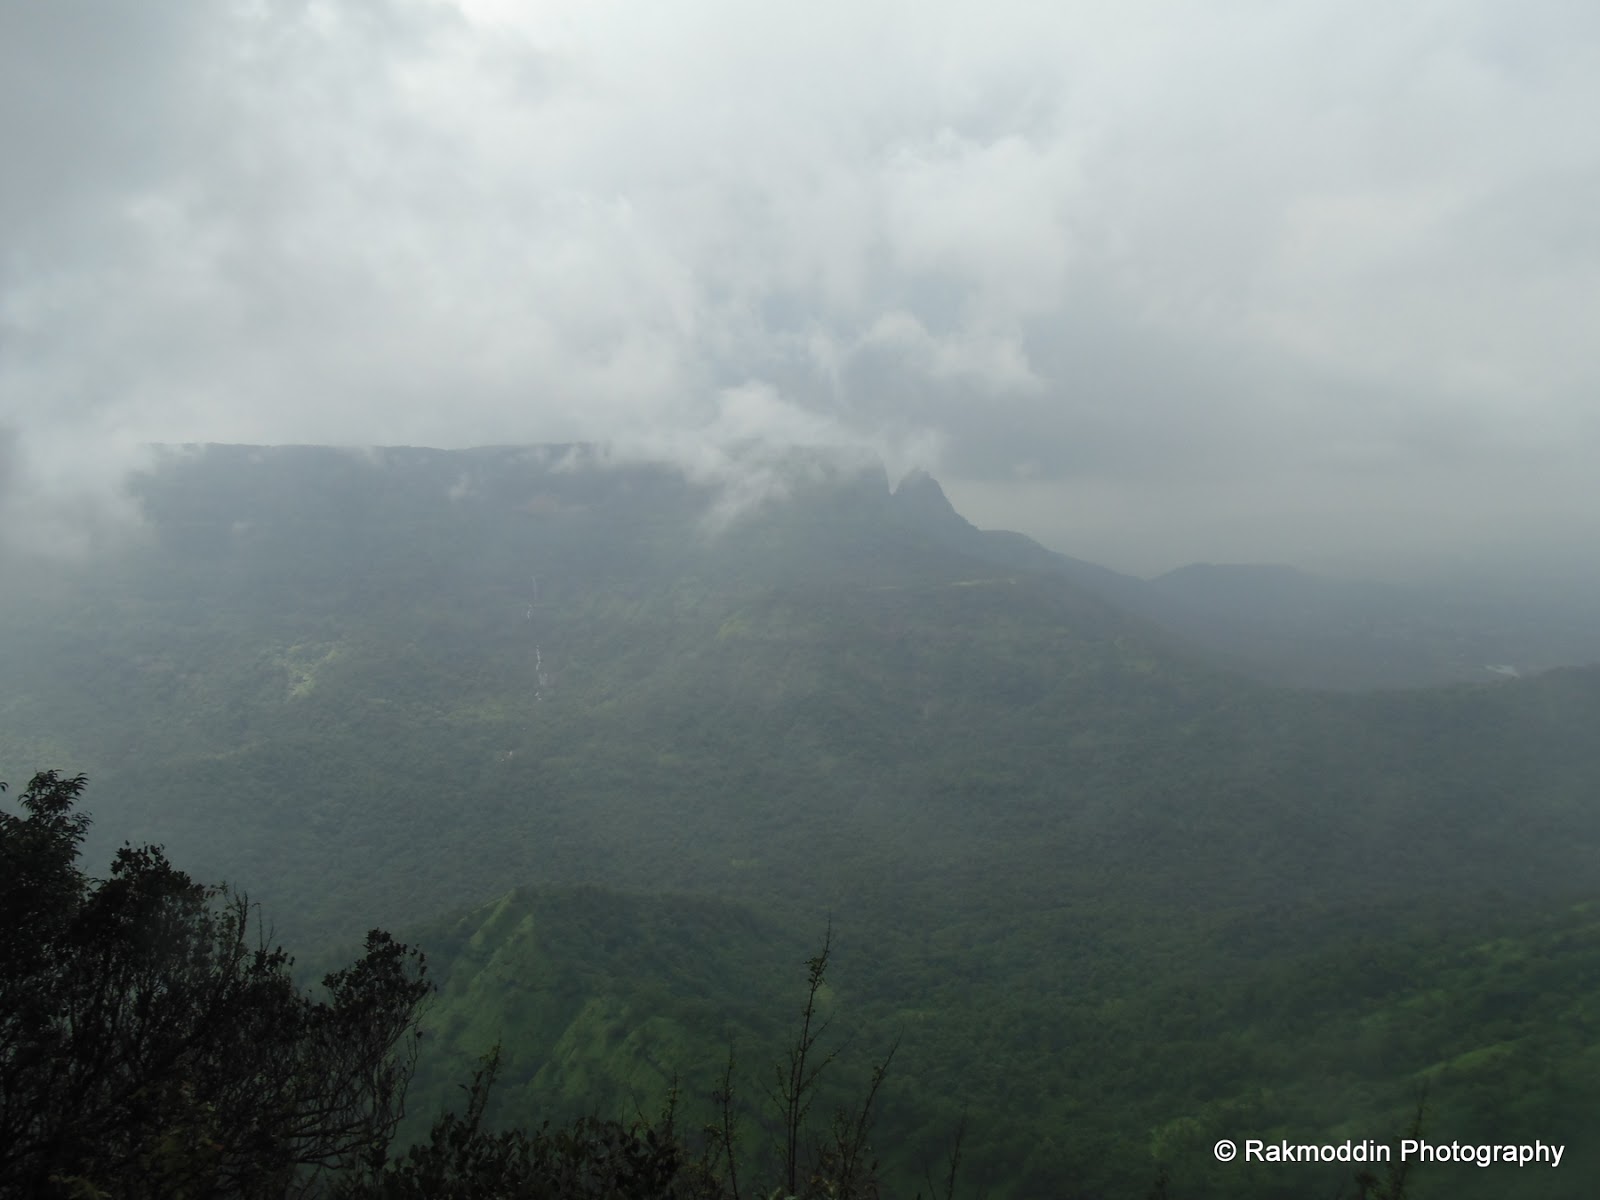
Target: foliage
x,y
147,1048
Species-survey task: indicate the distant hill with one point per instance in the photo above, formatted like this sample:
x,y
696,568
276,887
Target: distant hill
x,y
1286,626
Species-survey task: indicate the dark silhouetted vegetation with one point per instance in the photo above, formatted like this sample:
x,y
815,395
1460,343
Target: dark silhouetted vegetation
x,y
150,1047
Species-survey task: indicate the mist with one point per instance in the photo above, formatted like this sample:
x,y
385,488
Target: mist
x,y
1152,283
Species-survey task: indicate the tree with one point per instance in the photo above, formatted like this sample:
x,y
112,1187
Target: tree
x,y
841,1165
149,1046
797,1077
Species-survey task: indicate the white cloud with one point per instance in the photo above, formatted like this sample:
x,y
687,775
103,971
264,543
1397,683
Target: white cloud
x,y
1309,252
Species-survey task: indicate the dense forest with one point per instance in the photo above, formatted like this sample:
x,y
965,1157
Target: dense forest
x,y
614,758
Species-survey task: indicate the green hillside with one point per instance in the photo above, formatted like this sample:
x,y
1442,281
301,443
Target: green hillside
x,y
1084,1054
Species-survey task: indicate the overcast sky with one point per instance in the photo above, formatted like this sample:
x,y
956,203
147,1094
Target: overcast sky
x,y
1153,282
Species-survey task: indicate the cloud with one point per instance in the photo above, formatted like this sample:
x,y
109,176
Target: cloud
x,y
746,451
1221,259
64,500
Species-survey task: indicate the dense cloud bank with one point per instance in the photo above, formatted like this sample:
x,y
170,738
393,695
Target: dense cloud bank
x,y
1153,282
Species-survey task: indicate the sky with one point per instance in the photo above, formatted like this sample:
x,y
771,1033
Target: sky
x,y
1153,282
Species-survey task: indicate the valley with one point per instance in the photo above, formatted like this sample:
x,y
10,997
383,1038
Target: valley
x,y
616,765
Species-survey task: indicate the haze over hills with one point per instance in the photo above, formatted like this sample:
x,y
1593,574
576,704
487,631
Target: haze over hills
x,y
1078,855
1289,626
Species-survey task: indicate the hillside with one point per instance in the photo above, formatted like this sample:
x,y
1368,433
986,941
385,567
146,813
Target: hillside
x,y
1082,1049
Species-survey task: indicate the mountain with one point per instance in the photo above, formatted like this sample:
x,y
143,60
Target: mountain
x,y
920,503
1090,874
419,677
1292,627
